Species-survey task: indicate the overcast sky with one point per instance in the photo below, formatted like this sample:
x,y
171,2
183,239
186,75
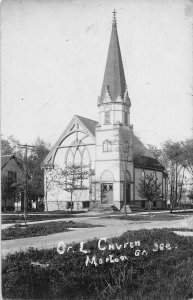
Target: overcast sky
x,y
53,56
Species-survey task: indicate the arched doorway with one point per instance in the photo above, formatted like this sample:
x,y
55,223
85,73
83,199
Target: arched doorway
x,y
107,180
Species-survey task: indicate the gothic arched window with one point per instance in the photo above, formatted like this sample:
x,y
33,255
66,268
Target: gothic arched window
x,y
107,119
126,118
154,176
126,146
143,174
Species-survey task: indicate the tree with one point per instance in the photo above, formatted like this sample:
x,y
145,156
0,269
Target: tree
x,y
50,181
10,146
5,147
149,189
35,159
171,156
71,178
190,195
188,155
35,171
4,190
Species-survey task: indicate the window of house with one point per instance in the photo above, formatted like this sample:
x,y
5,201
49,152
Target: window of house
x,y
107,117
12,177
107,146
142,204
126,118
70,205
85,204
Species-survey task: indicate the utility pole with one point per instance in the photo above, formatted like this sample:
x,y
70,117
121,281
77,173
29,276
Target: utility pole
x,y
26,180
125,195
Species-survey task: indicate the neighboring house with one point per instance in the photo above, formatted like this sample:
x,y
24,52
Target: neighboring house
x,y
115,158
12,179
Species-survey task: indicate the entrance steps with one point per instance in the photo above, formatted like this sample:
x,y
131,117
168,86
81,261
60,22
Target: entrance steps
x,y
128,209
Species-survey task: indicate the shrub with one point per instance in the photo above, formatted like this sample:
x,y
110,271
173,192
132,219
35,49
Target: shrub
x,y
166,274
40,229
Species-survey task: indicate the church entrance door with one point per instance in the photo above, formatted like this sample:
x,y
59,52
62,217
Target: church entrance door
x,y
107,193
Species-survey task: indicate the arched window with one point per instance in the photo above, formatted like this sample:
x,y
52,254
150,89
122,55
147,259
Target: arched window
x,y
143,174
107,176
107,119
70,156
77,157
126,118
107,146
126,146
154,176
128,177
85,157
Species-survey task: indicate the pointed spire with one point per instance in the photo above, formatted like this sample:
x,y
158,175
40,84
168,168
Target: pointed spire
x,y
114,78
114,18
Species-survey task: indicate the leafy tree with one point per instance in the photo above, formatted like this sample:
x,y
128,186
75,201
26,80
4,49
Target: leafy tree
x,y
5,147
71,178
35,158
149,189
188,155
4,189
172,156
10,146
50,181
35,172
190,194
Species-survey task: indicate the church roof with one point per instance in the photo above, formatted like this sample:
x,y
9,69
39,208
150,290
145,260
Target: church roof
x,y
146,162
139,148
114,77
142,156
90,124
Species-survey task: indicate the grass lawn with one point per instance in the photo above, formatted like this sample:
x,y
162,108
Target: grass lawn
x,y
153,217
155,264
42,229
15,218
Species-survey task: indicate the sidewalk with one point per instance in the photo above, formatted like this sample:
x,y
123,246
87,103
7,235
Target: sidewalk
x,y
88,215
112,228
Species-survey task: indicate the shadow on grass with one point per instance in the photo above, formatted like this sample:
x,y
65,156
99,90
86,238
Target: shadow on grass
x,y
152,217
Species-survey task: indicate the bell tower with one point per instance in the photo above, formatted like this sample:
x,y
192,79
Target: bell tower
x,y
114,132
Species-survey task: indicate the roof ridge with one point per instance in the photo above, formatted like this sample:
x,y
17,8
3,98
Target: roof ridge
x,y
85,118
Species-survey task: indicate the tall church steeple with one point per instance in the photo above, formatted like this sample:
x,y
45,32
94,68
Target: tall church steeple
x,y
114,83
114,103
113,134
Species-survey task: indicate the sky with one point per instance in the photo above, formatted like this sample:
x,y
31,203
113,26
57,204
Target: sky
x,y
53,56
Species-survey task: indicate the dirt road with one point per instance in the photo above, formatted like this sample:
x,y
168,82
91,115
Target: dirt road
x,y
111,228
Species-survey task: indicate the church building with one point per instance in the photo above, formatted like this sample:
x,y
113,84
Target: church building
x,y
107,151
